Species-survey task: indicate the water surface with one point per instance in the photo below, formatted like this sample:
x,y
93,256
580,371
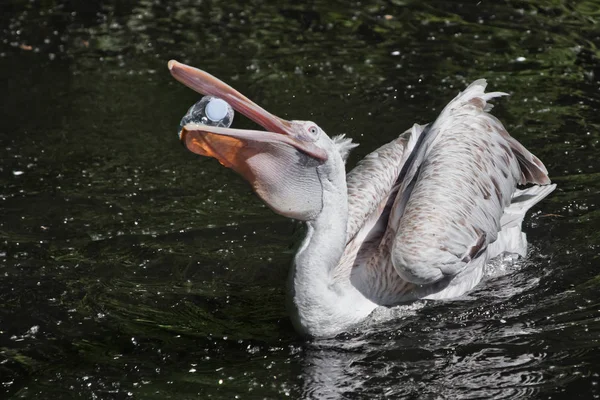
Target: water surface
x,y
131,268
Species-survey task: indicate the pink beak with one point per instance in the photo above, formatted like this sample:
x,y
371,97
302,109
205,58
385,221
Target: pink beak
x,y
225,141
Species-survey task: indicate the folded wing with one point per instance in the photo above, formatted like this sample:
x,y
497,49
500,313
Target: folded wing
x,y
454,189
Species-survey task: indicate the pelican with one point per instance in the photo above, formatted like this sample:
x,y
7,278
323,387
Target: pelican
x,y
418,218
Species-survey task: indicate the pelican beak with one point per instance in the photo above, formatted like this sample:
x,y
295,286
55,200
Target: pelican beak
x,y
224,143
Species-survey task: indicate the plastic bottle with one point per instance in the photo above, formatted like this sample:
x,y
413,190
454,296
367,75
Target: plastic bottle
x,y
211,111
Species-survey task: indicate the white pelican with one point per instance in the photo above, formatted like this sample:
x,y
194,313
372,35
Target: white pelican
x,y
416,219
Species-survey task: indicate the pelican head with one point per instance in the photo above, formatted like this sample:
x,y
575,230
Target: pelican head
x,y
289,166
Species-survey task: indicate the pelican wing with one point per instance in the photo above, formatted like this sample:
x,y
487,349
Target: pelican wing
x,y
453,189
374,180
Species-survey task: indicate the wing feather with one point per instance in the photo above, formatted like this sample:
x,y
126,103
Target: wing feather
x,y
425,208
372,181
463,174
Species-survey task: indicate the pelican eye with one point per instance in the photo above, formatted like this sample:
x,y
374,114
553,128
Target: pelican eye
x,y
313,130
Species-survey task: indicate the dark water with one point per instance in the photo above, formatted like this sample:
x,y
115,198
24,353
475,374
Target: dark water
x,y
131,268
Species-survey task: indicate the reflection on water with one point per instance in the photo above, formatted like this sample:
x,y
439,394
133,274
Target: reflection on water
x,y
132,268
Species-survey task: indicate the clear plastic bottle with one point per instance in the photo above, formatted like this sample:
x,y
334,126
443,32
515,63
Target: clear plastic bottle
x,y
211,111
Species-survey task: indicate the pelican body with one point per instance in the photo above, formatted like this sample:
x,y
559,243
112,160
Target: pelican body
x,y
417,218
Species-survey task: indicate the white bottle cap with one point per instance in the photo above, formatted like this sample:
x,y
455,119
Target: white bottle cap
x,y
216,109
